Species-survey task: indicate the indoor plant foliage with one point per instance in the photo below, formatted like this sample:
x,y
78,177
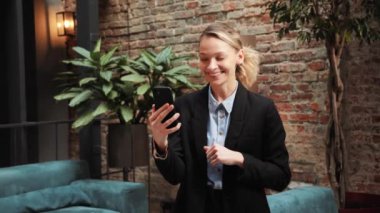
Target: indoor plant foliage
x,y
109,86
151,69
335,22
95,89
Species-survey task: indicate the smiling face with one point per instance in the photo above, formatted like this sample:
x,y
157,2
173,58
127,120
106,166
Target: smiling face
x,y
218,61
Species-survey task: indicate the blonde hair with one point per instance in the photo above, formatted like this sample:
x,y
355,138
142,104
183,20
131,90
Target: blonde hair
x,y
247,72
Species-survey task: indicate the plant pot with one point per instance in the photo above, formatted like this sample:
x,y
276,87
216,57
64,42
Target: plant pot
x,y
361,203
128,145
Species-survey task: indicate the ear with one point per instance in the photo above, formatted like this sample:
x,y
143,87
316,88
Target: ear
x,y
240,57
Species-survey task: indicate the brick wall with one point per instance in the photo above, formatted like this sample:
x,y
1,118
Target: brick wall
x,y
292,74
362,116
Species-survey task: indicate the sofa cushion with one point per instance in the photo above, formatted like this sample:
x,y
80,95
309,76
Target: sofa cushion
x,y
24,178
311,199
116,195
44,200
82,209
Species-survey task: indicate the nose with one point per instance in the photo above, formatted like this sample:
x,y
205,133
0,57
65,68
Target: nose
x,y
212,65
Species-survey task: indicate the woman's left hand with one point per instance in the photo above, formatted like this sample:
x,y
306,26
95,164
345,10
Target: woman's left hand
x,y
219,154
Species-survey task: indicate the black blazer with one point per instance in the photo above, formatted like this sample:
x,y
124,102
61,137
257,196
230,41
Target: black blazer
x,y
255,130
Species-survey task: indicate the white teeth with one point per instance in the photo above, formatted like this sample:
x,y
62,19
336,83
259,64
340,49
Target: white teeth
x,y
213,73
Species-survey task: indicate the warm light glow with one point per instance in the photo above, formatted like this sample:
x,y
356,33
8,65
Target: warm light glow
x,y
65,23
69,24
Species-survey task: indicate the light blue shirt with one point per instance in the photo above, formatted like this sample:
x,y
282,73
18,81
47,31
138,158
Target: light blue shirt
x,y
217,126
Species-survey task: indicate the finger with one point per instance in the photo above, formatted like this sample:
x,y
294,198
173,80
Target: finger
x,y
156,113
214,162
174,129
164,113
171,120
211,153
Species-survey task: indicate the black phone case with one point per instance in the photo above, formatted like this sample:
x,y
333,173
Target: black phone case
x,y
163,95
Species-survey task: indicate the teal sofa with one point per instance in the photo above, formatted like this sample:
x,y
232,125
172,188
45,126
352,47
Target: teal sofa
x,y
65,186
309,199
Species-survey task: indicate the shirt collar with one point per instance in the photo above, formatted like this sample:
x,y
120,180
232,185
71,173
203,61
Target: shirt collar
x,y
227,103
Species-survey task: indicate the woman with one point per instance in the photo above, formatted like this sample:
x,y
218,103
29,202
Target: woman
x,y
229,145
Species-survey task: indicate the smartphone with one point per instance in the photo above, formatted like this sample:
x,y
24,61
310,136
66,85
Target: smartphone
x,y
161,96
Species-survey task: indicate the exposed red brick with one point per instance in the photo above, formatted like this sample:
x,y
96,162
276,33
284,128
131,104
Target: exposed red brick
x,y
324,119
277,97
284,117
317,65
304,87
192,5
228,6
262,78
305,96
286,87
303,117
284,107
209,18
266,18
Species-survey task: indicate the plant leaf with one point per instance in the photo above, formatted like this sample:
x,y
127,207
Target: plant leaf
x,y
148,59
106,75
86,80
164,55
107,88
80,62
136,78
172,80
101,109
83,120
113,94
65,96
83,52
182,79
105,59
97,46
126,113
129,69
141,90
178,69
81,97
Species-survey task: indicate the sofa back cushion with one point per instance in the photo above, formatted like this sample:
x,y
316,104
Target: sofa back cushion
x,y
30,177
44,200
311,199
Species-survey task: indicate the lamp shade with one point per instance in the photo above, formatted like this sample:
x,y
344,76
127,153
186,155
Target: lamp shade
x,y
65,23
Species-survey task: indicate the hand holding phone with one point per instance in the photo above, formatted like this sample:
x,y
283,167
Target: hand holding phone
x,y
163,95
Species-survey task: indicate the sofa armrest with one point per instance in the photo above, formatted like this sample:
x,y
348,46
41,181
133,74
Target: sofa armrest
x,y
313,199
116,195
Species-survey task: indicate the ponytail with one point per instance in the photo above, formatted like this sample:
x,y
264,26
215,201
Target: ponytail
x,y
247,72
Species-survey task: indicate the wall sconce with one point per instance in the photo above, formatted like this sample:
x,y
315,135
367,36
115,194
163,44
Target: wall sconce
x,y
66,23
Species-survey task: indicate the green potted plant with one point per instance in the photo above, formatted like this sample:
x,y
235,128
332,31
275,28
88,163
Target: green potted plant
x,y
96,89
151,69
108,86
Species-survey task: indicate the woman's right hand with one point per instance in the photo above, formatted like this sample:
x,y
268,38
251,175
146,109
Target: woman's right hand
x,y
159,130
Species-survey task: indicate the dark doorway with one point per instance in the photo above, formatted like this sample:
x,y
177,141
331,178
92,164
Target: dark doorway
x,y
17,84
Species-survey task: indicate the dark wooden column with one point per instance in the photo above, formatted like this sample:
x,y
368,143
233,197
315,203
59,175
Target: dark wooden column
x,y
87,35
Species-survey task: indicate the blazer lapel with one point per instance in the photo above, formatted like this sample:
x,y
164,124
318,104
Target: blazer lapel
x,y
237,118
199,123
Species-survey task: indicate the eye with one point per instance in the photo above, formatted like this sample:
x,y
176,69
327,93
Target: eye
x,y
203,59
220,58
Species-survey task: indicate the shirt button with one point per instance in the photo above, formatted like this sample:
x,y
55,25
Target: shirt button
x,y
220,133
